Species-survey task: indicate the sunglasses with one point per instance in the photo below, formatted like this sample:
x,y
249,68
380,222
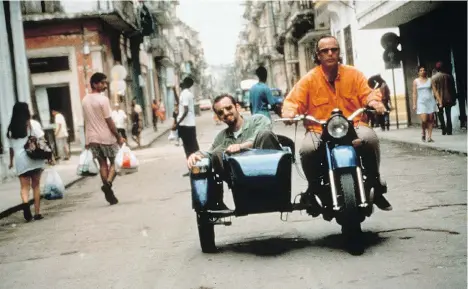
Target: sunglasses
x,y
327,50
227,109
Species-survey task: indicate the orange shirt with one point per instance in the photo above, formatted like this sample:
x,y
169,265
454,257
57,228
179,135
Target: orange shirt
x,y
314,95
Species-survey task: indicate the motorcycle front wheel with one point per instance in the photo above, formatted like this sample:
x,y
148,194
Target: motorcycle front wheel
x,y
350,219
206,233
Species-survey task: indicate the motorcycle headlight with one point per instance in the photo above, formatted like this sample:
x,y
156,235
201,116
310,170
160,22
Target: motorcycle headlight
x,y
338,127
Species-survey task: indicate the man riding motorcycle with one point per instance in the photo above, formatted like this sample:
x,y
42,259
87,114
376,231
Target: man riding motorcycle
x,y
334,85
242,133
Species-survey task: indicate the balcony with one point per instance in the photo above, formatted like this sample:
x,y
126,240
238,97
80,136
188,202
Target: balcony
x,y
161,11
119,14
302,19
159,46
279,44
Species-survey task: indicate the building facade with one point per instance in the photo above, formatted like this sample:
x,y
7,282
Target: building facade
x,y
430,31
281,36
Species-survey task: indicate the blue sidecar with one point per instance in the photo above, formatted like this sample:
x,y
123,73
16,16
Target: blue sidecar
x,y
260,182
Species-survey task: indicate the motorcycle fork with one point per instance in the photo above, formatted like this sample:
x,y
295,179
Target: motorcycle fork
x,y
332,179
360,180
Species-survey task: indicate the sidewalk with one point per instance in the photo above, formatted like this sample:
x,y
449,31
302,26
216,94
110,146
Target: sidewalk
x,y
455,143
10,190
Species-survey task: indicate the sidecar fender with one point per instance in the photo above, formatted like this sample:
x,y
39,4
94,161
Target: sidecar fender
x,y
343,157
201,185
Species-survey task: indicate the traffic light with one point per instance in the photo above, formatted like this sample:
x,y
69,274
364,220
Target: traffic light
x,y
392,55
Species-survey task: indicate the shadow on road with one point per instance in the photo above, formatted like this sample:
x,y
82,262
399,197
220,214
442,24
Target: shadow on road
x,y
274,246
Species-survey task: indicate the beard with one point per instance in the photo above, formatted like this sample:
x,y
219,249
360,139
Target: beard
x,y
230,120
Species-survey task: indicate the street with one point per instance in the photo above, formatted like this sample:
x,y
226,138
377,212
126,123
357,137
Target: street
x,y
150,239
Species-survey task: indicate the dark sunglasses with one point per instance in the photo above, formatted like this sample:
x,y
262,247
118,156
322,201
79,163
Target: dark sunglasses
x,y
326,50
221,111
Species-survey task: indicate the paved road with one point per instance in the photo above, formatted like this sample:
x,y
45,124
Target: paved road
x,y
149,240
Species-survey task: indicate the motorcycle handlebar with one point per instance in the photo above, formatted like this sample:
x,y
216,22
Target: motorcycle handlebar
x,y
311,118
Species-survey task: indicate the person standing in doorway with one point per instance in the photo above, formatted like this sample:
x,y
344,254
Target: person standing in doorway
x,y
102,136
185,124
444,90
137,122
61,135
260,94
120,119
424,102
155,109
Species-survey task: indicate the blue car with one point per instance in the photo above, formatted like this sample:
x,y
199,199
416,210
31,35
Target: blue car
x,y
279,98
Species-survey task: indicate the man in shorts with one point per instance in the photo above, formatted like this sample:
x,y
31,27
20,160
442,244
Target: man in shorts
x,y
102,137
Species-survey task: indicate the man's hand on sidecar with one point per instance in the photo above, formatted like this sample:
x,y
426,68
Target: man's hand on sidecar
x,y
193,159
234,148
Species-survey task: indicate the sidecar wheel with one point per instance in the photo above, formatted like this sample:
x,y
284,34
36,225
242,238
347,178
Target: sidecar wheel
x,y
350,220
206,233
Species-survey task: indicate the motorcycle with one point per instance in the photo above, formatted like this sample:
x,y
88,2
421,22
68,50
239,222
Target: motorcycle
x,y
260,181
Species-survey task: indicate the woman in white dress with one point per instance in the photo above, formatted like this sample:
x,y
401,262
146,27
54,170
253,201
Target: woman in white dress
x,y
28,170
424,102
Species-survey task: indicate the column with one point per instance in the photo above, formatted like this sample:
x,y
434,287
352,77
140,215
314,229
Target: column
x,y
19,53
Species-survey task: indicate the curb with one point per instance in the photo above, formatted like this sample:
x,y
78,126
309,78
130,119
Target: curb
x,y
424,147
17,208
163,132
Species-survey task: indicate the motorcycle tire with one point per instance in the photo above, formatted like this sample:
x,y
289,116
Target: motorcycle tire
x,y
206,233
351,219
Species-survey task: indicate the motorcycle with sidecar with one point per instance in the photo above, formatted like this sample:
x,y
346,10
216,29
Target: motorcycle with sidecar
x,y
260,182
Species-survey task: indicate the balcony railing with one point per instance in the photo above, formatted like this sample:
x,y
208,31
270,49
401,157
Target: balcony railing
x,y
120,14
161,11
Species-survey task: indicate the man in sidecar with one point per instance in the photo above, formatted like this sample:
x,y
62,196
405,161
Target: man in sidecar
x,y
334,85
242,133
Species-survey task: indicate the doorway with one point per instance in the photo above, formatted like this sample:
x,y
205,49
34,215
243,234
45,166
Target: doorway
x,y
59,100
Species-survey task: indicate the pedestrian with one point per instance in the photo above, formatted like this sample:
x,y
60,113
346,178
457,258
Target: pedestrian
x,y
155,109
137,122
101,134
28,170
443,86
424,102
61,135
120,119
175,113
185,124
260,94
378,82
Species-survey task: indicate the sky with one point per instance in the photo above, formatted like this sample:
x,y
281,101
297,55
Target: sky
x,y
218,22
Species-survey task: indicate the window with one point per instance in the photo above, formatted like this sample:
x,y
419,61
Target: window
x,y
349,45
48,64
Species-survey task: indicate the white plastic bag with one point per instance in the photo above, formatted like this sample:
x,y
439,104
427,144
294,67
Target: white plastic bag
x,y
126,161
54,187
87,166
173,135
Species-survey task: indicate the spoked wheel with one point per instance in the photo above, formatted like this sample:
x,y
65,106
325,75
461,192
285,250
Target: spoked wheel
x,y
206,233
351,220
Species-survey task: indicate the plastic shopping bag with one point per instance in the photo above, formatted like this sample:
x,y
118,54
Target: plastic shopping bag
x,y
173,135
54,187
87,166
126,161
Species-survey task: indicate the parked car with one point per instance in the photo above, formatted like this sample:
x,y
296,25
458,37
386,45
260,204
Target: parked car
x,y
205,104
279,98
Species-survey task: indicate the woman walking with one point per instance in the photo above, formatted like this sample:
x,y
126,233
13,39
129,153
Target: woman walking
x,y
424,103
28,170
